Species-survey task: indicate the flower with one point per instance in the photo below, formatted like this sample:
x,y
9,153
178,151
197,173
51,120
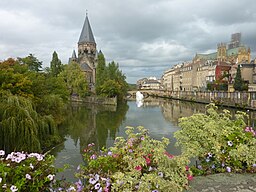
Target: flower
x,y
155,190
13,188
138,168
148,161
79,185
209,155
254,165
97,186
28,176
190,177
93,156
228,169
78,168
92,181
130,150
142,138
187,168
2,152
160,174
207,159
213,166
50,177
1,179
199,167
31,166
230,143
109,153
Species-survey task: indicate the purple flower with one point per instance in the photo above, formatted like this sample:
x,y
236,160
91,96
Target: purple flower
x,y
155,190
109,153
228,169
223,164
93,156
254,165
199,167
130,150
142,138
213,166
79,185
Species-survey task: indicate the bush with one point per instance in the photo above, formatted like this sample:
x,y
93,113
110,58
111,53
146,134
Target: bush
x,y
26,172
137,163
221,143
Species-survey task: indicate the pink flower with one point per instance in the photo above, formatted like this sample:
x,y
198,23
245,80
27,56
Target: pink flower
x,y
190,177
138,168
169,155
187,168
148,161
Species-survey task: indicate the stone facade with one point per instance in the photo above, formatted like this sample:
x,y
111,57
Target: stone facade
x,y
205,68
87,54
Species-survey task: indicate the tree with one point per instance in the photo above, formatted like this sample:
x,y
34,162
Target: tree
x,y
100,72
239,84
56,66
75,79
32,62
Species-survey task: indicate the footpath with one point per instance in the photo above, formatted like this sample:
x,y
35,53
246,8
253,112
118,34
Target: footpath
x,y
224,182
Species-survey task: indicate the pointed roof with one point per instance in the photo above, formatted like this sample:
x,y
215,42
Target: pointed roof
x,y
74,54
86,34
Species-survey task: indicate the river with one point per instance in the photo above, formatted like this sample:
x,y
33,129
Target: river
x,y
86,124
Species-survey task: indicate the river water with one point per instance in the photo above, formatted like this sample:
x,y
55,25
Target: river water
x,y
86,124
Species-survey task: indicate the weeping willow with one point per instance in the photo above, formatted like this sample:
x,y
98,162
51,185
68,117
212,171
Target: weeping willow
x,y
21,127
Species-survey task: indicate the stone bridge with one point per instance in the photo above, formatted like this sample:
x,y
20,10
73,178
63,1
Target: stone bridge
x,y
146,93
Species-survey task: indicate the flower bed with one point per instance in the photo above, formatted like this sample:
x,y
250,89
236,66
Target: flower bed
x,y
137,163
221,143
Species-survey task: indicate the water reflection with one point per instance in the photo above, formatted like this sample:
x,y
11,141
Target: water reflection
x,y
90,123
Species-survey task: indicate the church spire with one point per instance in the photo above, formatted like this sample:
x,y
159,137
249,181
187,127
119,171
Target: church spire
x,y
86,34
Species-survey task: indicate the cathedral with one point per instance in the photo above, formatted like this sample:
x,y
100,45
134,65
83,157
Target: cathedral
x,y
87,53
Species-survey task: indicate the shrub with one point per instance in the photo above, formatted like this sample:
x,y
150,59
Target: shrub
x,y
137,163
26,172
221,143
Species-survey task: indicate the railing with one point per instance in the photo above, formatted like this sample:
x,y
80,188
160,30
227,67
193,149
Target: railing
x,y
233,99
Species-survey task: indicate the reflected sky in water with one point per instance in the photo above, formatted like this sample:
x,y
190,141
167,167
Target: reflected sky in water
x,y
88,123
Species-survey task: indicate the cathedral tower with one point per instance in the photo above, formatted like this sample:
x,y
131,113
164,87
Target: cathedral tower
x,y
87,53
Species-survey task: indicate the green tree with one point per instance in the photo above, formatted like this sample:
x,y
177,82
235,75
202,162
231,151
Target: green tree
x,y
100,72
32,62
56,66
22,128
239,84
75,79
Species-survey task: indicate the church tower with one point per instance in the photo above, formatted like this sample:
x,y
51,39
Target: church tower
x,y
87,53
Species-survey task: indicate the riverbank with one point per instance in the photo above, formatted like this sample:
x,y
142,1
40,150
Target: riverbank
x,y
224,182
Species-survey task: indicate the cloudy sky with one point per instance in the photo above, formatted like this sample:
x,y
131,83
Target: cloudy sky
x,y
145,37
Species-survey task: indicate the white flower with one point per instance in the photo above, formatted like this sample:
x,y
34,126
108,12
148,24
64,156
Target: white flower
x,y
50,177
1,179
28,176
230,143
31,166
2,152
13,188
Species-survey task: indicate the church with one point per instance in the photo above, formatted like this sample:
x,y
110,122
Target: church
x,y
87,53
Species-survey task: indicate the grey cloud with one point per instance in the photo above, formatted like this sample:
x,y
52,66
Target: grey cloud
x,y
145,37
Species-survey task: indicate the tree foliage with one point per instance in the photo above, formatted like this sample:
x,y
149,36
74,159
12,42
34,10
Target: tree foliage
x,y
32,62
56,67
75,79
110,81
22,128
239,84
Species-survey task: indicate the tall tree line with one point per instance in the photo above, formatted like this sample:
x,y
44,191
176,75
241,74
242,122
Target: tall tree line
x,y
110,81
